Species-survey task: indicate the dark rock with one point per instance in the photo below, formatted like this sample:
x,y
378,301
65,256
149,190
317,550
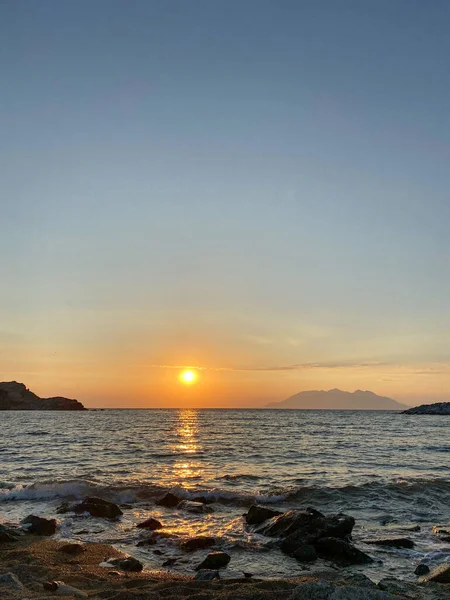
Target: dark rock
x,y
205,575
391,542
8,534
11,581
150,524
72,549
126,564
97,507
203,500
126,505
16,396
304,526
157,552
169,500
63,508
196,508
259,514
169,562
438,408
214,560
440,575
422,569
341,551
440,530
39,525
197,543
413,528
306,553
149,541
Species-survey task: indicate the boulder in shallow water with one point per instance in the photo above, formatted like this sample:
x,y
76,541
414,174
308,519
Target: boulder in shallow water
x,y
439,575
126,564
258,514
39,525
421,570
97,507
197,543
169,500
309,524
150,523
8,534
391,542
214,560
207,575
341,551
305,553
197,508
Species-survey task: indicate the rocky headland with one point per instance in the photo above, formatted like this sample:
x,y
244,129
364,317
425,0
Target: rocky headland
x,y
16,396
439,408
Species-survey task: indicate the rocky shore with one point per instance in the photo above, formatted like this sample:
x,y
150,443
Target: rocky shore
x,y
33,565
438,408
16,396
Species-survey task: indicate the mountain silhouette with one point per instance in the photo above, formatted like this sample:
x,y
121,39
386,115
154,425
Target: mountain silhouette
x,y
338,399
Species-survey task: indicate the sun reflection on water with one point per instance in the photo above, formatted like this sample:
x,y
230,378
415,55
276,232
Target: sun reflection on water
x,y
186,468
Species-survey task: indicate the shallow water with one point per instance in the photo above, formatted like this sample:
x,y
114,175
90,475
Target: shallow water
x,y
386,469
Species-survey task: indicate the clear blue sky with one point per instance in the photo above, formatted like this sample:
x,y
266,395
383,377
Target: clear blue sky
x,y
243,185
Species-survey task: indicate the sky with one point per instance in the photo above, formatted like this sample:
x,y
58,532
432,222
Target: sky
x,y
258,189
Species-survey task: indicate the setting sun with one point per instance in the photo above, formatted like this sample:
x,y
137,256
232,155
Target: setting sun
x,y
188,377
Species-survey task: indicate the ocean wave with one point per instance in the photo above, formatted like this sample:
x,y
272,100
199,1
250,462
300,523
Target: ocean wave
x,y
137,491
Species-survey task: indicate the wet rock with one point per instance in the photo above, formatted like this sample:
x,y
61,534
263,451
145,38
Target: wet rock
x,y
10,581
72,549
206,575
149,541
341,551
196,508
8,534
97,507
421,570
413,528
39,525
443,534
169,562
126,564
391,542
150,524
214,560
259,514
305,527
357,580
157,552
324,590
306,553
126,505
62,589
197,543
439,575
203,500
169,500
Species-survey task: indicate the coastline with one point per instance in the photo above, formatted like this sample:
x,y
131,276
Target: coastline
x,y
34,561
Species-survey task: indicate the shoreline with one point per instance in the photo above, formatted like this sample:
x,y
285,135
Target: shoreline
x,y
31,562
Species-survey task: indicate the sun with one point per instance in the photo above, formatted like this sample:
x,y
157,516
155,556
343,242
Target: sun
x,y
188,377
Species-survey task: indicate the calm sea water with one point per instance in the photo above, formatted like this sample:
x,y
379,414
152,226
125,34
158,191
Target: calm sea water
x,y
386,469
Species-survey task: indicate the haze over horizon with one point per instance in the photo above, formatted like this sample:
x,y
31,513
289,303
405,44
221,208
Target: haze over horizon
x,y
256,190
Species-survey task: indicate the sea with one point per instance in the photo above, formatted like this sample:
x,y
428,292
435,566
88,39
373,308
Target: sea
x,y
388,470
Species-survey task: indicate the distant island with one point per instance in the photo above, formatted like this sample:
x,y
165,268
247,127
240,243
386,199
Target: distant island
x,y
338,400
438,408
16,396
